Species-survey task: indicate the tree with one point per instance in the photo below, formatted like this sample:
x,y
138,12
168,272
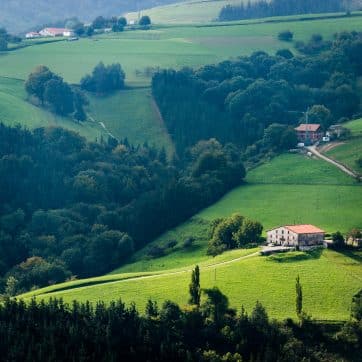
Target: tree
x,y
356,308
298,298
36,82
320,114
216,305
3,44
285,53
285,35
122,21
338,239
145,21
59,96
250,232
194,288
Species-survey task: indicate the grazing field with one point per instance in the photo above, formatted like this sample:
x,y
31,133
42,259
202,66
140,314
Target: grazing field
x,y
15,109
187,12
131,113
329,281
350,150
172,46
290,189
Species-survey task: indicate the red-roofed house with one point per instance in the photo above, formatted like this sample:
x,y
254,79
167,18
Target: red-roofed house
x,y
53,32
309,133
296,235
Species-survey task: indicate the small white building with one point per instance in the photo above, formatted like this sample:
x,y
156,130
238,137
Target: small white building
x,y
32,35
54,32
296,235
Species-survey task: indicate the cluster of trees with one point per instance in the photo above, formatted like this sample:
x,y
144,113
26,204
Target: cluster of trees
x,y
92,204
263,8
237,100
104,79
53,92
233,232
6,38
206,330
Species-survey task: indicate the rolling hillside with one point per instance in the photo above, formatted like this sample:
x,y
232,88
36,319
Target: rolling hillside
x,y
290,188
349,151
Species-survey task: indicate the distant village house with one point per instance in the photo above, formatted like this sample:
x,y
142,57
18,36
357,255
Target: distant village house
x,y
32,35
296,236
309,133
55,32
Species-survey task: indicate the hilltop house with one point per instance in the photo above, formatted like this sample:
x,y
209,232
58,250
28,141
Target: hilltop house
x,y
309,133
53,32
295,235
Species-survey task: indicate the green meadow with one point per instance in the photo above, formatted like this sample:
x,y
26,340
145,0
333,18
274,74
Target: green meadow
x,y
329,280
350,150
16,110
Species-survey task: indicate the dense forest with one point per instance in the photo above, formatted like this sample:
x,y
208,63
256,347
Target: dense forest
x,y
17,15
70,207
263,8
205,330
238,100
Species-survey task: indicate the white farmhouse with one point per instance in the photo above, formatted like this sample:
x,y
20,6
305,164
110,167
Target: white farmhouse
x,y
296,235
32,35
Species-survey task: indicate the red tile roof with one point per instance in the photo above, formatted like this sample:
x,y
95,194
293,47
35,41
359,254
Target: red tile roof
x,y
304,229
308,127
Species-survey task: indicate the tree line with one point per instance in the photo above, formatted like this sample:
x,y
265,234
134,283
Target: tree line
x,y
238,100
206,330
264,9
69,207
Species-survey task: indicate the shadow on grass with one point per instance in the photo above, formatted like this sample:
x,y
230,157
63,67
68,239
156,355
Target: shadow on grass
x,y
351,253
296,256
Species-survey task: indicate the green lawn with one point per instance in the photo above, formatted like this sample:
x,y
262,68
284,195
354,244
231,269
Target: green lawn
x,y
15,109
133,114
329,280
351,149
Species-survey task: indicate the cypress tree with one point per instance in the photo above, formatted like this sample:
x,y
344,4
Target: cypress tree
x,y
299,297
194,288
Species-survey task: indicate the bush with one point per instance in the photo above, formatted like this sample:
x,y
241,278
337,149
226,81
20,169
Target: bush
x,y
188,242
286,35
156,252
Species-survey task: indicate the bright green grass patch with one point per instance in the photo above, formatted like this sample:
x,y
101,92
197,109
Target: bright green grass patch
x,y
298,170
355,126
131,113
15,109
329,280
348,153
187,12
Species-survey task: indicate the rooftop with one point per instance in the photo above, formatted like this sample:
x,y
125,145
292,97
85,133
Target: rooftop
x,y
304,229
313,127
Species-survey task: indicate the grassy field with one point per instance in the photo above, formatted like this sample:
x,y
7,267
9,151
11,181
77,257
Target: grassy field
x,y
290,189
187,12
15,109
133,114
350,150
329,280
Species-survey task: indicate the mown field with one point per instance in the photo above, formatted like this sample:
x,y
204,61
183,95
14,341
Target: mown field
x,y
350,150
131,113
329,280
299,190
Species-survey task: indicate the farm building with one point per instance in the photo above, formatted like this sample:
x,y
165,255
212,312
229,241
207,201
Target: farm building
x,y
295,235
53,32
32,34
309,133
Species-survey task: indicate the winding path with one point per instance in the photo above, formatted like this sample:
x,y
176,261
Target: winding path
x,y
343,168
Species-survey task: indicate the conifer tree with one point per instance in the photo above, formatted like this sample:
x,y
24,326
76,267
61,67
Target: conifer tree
x,y
299,297
195,290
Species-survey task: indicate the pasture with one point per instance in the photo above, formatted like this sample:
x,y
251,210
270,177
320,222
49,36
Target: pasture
x,y
350,150
15,109
329,280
